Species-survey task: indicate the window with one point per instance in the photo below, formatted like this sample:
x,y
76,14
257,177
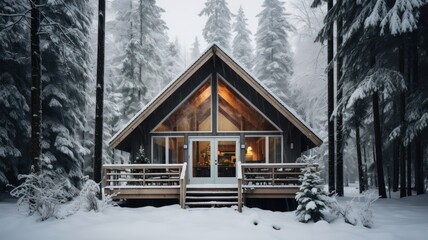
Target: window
x,y
263,149
159,146
168,150
275,150
175,149
236,114
255,149
193,114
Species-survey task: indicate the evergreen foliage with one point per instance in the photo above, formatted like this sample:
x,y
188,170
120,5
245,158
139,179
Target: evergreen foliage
x,y
217,28
66,56
141,156
393,33
274,62
311,199
241,45
173,63
14,91
145,53
195,51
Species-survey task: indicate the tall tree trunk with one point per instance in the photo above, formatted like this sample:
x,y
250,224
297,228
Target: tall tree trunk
x,y
330,86
395,165
339,121
36,88
378,136
99,91
359,159
365,170
402,123
409,170
374,174
419,171
418,159
378,146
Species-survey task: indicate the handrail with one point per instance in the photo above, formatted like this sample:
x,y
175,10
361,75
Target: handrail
x,y
142,166
141,174
183,171
183,185
275,174
274,165
239,178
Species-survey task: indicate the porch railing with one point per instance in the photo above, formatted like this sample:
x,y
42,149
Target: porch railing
x,y
239,178
183,185
141,175
271,174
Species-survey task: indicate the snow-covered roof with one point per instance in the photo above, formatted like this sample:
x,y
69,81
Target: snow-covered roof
x,y
215,49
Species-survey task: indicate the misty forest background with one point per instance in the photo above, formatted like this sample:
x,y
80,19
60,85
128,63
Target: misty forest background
x,y
362,85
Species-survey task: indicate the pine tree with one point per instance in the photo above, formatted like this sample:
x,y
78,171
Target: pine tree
x,y
274,63
217,28
241,44
14,126
14,92
195,52
143,62
65,50
173,62
311,199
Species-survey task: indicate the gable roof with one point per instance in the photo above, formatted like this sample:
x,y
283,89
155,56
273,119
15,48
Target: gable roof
x,y
216,50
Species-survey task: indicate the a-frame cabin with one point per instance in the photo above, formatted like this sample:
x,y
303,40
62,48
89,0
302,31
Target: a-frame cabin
x,y
216,126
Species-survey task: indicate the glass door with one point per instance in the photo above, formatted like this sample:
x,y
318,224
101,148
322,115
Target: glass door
x,y
213,160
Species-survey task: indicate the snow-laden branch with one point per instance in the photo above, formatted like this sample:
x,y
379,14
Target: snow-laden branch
x,y
390,81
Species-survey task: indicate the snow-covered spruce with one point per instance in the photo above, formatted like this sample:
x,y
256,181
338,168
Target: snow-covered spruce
x,y
241,45
217,28
274,61
311,198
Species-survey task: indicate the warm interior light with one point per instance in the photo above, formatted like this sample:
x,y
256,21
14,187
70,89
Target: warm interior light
x,y
249,148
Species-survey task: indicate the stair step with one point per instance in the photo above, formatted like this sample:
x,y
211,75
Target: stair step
x,y
210,203
211,197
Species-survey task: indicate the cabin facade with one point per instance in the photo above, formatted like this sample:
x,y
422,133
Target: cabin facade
x,y
215,127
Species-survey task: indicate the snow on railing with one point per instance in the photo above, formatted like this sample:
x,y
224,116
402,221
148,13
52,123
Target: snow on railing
x,y
239,178
183,185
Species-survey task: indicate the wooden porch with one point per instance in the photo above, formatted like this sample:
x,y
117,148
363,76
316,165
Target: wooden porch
x,y
170,181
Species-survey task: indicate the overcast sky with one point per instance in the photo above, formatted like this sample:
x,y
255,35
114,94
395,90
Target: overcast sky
x,y
183,20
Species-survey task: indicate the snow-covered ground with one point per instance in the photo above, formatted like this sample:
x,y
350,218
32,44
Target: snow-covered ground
x,y
393,219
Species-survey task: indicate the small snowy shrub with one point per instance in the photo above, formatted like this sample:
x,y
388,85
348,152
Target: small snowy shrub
x,y
366,214
86,201
311,198
88,196
347,212
42,194
354,211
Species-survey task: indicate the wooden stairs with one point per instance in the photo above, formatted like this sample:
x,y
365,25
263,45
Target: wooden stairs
x,y
211,197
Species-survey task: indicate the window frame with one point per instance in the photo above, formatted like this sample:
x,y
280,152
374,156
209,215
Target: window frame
x,y
166,138
208,78
267,145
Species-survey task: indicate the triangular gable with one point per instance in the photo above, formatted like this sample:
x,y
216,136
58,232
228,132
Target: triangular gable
x,y
235,113
286,111
193,114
